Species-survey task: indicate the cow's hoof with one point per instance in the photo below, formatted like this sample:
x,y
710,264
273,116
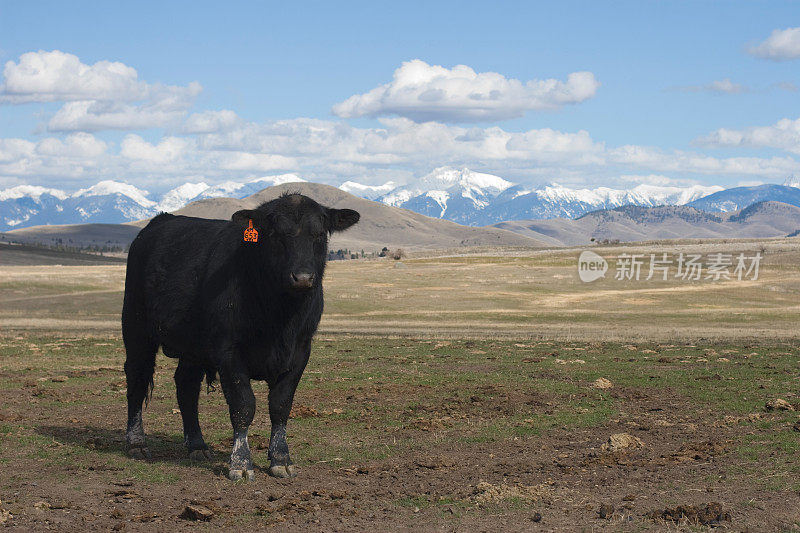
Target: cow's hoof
x,y
236,475
139,452
283,471
200,455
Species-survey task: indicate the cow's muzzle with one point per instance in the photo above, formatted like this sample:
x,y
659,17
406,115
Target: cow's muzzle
x,y
301,281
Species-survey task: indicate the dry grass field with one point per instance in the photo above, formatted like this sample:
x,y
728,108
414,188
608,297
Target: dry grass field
x,y
451,392
486,294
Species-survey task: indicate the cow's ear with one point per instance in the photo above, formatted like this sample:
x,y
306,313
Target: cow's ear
x,y
341,219
241,217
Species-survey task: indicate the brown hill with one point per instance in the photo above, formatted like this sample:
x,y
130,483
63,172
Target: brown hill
x,y
75,235
25,255
381,225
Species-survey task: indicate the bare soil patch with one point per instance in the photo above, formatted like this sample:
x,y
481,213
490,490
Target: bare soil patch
x,y
399,434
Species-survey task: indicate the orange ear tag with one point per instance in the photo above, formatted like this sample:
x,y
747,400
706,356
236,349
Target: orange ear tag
x,y
250,234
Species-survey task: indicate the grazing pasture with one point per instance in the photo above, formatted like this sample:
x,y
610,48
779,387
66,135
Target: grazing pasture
x,y
455,392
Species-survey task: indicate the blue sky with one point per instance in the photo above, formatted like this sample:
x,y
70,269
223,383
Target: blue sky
x,y
683,92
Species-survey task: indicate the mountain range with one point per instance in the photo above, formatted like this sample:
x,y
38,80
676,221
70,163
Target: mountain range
x,y
380,225
633,223
459,195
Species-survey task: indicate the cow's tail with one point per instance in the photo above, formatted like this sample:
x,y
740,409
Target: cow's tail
x,y
140,346
211,377
139,369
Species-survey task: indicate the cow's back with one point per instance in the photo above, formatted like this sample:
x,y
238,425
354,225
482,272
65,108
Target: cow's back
x,y
167,263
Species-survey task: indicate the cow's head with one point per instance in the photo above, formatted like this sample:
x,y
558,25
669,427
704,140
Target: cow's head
x,y
293,233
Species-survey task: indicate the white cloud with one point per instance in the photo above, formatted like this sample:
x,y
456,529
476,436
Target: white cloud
x,y
78,144
424,92
779,46
652,179
784,135
554,145
59,77
106,95
335,151
168,150
725,86
695,163
167,108
12,150
72,157
786,86
211,121
252,162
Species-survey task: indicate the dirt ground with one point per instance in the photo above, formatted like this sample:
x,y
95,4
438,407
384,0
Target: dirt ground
x,y
418,434
446,393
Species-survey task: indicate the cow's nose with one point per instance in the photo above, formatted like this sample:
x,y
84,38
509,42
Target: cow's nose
x,y
302,280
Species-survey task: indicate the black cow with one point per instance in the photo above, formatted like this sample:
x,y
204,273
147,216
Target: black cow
x,y
226,301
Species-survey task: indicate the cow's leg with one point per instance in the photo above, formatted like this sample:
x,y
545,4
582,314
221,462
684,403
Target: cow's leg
x,y
188,379
140,364
281,396
242,408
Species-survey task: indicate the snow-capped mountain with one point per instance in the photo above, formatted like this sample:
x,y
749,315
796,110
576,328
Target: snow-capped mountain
x,y
460,195
180,196
370,192
740,197
105,202
236,189
556,200
449,193
19,204
33,192
474,198
448,182
112,201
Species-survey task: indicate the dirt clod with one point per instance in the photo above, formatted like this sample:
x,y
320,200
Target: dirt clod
x,y
778,404
434,463
710,514
488,493
145,518
699,451
303,411
606,511
622,441
197,512
123,494
602,383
